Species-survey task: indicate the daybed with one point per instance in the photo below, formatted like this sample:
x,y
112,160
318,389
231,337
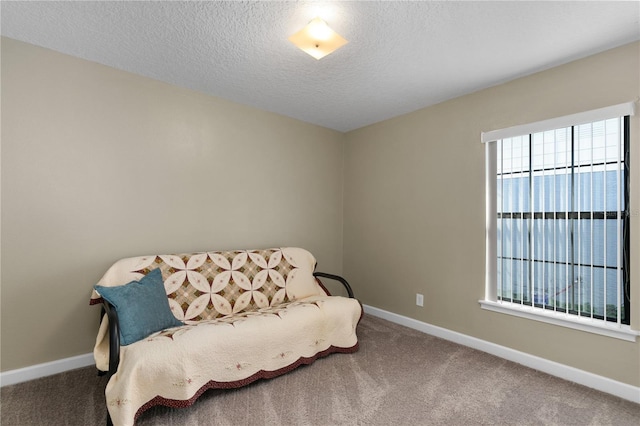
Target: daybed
x,y
174,326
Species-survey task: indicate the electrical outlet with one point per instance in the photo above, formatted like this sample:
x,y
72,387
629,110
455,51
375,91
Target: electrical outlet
x,y
419,299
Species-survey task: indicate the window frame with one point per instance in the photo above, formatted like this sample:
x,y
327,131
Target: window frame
x,y
491,301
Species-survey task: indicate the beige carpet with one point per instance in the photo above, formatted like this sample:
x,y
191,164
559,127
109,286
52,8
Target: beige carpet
x,y
399,377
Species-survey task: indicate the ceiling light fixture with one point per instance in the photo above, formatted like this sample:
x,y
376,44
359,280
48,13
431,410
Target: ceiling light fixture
x,y
317,39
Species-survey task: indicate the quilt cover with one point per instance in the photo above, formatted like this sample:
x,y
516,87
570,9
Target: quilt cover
x,y
248,314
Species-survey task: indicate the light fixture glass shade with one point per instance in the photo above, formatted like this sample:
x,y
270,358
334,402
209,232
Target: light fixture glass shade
x,y
317,39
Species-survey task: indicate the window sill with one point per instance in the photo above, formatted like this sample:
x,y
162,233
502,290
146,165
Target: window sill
x,y
623,332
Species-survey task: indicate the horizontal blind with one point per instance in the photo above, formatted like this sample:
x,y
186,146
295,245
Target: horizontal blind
x,y
559,204
620,110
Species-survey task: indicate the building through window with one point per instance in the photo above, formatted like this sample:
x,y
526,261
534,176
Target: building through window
x,y
558,218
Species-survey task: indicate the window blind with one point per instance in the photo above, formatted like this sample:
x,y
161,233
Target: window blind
x,y
557,197
620,110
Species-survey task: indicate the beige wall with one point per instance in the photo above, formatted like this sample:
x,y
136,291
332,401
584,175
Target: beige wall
x,y
415,209
99,164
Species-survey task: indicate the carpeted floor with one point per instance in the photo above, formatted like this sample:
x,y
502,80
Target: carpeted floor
x,y
399,377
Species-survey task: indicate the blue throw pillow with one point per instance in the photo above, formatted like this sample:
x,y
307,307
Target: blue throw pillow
x,y
142,307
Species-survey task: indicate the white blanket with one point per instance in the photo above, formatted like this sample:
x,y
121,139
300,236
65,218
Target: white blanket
x,y
173,367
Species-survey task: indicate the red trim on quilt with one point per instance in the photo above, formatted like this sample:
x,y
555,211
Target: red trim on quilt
x,y
262,374
95,301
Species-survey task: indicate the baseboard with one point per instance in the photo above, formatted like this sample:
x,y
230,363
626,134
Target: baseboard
x,y
594,381
20,375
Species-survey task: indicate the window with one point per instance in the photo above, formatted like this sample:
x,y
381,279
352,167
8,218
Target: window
x,y
557,219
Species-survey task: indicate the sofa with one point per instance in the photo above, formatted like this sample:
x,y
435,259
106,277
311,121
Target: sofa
x,y
173,326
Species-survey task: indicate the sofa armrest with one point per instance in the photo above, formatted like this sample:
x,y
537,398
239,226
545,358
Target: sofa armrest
x,y
114,337
336,278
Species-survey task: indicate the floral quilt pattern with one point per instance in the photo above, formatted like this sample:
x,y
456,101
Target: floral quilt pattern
x,y
206,286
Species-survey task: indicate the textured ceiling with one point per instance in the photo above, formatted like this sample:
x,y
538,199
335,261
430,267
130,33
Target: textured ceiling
x,y
401,56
